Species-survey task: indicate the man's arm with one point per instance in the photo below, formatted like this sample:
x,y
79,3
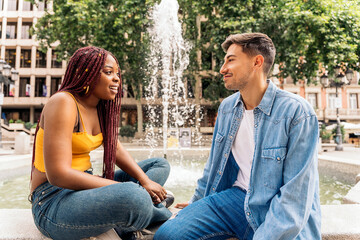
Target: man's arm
x,y
290,208
201,184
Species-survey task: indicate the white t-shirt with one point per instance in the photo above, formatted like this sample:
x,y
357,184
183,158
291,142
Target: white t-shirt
x,y
243,149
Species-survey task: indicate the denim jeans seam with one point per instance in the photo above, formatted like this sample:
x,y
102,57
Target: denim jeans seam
x,y
216,234
68,226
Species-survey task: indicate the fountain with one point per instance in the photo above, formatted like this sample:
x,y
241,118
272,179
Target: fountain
x,y
169,57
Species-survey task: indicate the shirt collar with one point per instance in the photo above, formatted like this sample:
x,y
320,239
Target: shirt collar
x,y
267,100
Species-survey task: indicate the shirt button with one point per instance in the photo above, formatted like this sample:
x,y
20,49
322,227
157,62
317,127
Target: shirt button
x,y
248,213
256,125
213,189
278,158
225,155
230,137
220,172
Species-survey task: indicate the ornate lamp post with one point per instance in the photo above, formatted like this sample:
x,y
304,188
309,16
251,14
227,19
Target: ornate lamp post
x,y
337,82
6,76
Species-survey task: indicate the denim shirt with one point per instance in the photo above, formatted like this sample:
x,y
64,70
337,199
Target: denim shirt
x,y
282,201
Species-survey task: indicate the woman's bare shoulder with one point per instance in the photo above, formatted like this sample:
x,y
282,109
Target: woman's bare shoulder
x,y
61,105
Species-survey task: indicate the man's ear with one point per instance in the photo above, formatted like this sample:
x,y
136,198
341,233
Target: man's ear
x,y
259,61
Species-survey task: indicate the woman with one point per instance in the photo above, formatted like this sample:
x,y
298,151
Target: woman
x,y
68,202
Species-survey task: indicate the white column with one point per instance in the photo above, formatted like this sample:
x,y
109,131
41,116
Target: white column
x,y
21,4
4,22
32,83
48,81
33,56
17,59
2,56
48,58
32,113
19,27
5,6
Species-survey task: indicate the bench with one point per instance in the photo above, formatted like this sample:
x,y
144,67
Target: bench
x,y
338,222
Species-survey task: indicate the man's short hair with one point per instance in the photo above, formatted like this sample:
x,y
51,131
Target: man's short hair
x,y
254,44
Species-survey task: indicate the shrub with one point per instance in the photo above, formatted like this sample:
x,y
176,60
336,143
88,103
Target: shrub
x,y
19,121
127,131
28,125
342,130
11,121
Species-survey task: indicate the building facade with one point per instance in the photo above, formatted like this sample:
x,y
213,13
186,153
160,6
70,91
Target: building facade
x,y
40,75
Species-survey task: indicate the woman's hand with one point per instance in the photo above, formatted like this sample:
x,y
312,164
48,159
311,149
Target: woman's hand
x,y
155,190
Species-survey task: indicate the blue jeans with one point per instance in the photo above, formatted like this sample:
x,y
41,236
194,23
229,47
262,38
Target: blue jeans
x,y
218,216
67,214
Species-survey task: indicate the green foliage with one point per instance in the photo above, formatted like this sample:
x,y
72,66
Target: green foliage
x,y
127,131
19,121
307,34
342,130
34,125
324,134
11,121
115,25
28,125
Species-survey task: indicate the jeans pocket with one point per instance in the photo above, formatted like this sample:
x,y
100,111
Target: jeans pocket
x,y
48,194
273,160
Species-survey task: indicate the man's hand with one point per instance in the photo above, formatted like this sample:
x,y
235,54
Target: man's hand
x,y
182,205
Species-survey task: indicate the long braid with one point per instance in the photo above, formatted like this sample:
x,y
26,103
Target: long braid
x,y
81,77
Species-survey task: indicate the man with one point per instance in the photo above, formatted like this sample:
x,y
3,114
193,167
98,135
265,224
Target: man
x,y
261,179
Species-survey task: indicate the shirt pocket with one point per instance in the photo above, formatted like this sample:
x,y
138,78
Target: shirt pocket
x,y
218,139
273,162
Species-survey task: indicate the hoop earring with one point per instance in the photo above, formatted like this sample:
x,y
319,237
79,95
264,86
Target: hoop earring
x,y
87,89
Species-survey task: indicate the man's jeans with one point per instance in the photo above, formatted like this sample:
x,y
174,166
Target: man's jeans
x,y
218,216
67,214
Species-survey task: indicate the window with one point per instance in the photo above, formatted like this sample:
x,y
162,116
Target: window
x,y
40,59
40,87
27,6
25,58
54,60
55,85
10,56
353,101
11,30
12,5
24,88
312,98
42,6
25,30
334,102
206,60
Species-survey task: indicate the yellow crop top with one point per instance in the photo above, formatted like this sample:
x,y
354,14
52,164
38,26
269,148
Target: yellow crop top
x,y
82,144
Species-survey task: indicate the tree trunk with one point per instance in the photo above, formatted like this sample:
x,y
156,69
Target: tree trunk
x,y
139,117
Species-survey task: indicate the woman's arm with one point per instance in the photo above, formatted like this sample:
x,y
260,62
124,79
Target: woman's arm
x,y
128,164
59,117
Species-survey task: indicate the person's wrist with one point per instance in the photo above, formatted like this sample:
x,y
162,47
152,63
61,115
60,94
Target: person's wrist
x,y
144,180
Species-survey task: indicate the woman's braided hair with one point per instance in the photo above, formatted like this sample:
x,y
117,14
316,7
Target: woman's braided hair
x,y
81,76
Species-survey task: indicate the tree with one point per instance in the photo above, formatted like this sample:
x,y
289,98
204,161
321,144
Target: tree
x,y
307,34
115,25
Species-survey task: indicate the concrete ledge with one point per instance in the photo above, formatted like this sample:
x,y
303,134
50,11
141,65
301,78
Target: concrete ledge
x,y
353,196
339,222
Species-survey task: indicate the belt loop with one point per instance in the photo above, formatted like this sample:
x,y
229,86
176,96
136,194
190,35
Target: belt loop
x,y
30,197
